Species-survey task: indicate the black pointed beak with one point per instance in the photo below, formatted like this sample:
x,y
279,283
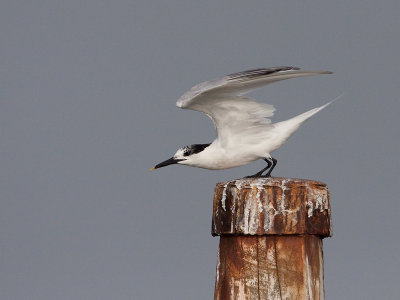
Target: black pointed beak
x,y
170,161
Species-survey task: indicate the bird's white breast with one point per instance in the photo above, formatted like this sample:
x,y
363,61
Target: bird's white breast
x,y
216,157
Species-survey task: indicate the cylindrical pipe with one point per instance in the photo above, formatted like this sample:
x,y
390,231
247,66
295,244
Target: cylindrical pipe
x,y
271,238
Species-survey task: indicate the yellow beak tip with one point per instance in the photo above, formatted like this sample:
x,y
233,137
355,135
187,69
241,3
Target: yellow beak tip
x,y
153,168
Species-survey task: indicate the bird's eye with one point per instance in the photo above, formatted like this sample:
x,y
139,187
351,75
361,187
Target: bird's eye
x,y
187,151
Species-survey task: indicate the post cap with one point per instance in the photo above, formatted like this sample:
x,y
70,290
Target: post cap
x,y
271,206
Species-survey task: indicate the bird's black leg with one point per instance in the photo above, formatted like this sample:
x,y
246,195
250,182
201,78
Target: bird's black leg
x,y
259,174
274,162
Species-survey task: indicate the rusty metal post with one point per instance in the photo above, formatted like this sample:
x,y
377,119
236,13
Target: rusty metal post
x,y
271,232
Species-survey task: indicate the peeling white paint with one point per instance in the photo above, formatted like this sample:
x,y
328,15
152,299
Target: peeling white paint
x,y
322,199
246,217
247,207
254,214
284,188
238,184
233,215
224,196
267,217
241,294
233,288
259,185
236,194
318,201
271,278
309,288
269,220
251,212
310,210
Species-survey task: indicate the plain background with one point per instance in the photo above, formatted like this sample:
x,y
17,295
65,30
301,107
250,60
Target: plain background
x,y
87,106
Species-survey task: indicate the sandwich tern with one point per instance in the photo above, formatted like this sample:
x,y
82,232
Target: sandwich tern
x,y
244,132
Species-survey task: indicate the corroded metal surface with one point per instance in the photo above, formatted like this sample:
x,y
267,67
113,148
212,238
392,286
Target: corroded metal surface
x,y
259,206
271,238
269,267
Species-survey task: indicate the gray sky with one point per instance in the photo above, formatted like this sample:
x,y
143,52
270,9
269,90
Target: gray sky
x,y
87,95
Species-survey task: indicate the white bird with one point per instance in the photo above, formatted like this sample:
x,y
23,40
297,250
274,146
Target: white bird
x,y
244,132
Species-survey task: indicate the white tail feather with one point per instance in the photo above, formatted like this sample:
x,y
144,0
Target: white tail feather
x,y
288,127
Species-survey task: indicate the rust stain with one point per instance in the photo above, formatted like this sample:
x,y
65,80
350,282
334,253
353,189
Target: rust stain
x,y
271,206
271,234
270,267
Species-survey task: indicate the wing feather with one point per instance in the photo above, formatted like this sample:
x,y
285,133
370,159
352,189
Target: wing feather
x,y
222,100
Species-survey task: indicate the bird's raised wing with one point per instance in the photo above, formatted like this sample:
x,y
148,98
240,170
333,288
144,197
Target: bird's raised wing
x,y
234,115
